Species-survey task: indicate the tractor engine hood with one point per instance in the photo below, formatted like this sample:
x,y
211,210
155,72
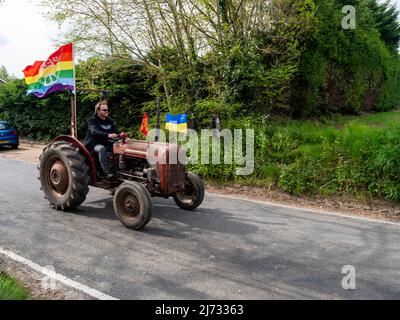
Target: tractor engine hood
x,y
154,152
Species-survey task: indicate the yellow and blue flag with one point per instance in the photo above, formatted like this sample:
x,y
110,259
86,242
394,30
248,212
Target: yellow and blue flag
x,y
177,123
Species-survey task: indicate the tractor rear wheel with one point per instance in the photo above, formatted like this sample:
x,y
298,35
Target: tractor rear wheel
x,y
132,205
64,175
193,195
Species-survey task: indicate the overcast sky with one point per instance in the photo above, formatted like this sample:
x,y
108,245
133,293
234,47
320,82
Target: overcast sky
x,y
26,36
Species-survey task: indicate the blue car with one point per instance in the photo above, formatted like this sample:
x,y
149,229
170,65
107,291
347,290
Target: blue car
x,y
8,135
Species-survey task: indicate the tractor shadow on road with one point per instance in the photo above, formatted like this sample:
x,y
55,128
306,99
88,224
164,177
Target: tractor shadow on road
x,y
170,221
176,222
98,209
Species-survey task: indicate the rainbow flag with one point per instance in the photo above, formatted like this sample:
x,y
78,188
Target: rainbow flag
x,y
176,123
55,74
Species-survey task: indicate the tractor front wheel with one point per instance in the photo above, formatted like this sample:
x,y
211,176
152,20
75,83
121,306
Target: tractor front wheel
x,y
193,194
132,205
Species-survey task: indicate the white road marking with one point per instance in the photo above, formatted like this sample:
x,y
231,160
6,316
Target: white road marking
x,y
329,213
56,276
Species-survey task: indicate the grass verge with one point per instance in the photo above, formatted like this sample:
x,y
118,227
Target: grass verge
x,y
10,289
356,156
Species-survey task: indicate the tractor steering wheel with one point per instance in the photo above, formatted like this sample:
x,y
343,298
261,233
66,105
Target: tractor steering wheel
x,y
122,136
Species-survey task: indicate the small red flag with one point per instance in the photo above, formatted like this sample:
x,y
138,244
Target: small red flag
x,y
144,128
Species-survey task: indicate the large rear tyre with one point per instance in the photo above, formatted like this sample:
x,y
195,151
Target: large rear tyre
x,y
132,205
63,175
193,195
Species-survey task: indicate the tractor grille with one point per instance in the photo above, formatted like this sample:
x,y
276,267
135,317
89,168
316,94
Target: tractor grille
x,y
172,175
176,181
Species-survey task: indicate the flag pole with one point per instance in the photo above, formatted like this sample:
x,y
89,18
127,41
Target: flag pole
x,y
74,126
157,137
73,115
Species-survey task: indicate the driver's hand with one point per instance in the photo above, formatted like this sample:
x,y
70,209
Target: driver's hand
x,y
112,135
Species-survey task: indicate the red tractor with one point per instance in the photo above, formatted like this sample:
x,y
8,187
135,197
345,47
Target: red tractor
x,y
67,169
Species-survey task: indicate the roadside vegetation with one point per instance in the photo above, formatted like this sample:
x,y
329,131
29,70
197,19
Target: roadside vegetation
x,y
10,289
285,68
355,155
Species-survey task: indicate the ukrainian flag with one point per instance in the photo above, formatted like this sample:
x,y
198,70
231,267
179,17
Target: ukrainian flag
x,y
177,123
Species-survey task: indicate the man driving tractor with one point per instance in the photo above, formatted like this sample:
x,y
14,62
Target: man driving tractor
x,y
101,129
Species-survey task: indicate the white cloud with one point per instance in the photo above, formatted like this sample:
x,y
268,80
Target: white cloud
x,y
25,35
3,40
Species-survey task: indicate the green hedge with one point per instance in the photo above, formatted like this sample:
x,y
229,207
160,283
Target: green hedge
x,y
347,71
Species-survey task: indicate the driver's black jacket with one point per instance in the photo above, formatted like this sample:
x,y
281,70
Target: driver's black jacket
x,y
98,131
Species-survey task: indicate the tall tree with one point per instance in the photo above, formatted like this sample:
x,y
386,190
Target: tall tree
x,y
4,74
197,48
386,19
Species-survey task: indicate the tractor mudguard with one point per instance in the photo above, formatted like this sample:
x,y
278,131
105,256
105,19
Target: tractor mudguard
x,y
89,159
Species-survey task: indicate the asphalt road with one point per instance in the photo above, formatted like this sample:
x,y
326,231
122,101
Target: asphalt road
x,y
226,249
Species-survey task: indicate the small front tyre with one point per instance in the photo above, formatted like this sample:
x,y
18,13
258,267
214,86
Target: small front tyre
x,y
132,205
193,195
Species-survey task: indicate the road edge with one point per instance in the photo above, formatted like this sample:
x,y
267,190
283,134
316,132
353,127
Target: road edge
x,y
52,275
